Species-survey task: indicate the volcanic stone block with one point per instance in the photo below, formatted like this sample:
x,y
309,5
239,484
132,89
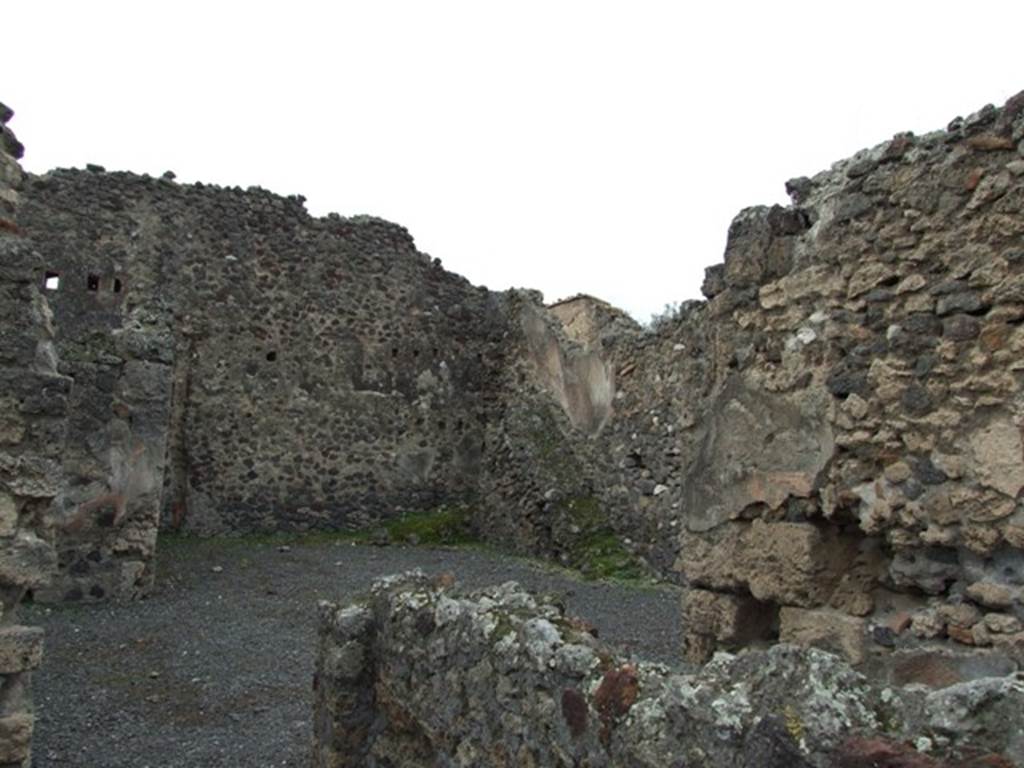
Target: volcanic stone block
x,y
26,560
828,630
757,449
787,563
8,514
16,738
996,452
730,619
21,649
714,619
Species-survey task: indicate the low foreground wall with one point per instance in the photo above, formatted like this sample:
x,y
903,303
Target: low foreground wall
x,y
421,674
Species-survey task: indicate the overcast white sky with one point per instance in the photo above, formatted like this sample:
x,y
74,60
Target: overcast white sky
x,y
590,146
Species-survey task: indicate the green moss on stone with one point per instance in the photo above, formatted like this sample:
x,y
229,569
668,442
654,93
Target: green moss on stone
x,y
597,551
603,556
449,524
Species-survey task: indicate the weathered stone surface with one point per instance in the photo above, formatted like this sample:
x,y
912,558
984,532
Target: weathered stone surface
x,y
806,284
992,595
16,739
898,305
772,744
8,514
942,666
998,456
577,378
734,468
759,245
501,677
714,619
829,630
33,402
985,713
27,561
787,563
496,676
931,570
882,753
344,667
21,649
793,563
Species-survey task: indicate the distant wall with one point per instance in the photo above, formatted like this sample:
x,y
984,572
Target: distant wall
x,y
326,373
544,479
241,366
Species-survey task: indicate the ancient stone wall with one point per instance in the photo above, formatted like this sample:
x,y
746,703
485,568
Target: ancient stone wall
x,y
421,674
33,411
245,367
538,480
120,355
829,449
872,334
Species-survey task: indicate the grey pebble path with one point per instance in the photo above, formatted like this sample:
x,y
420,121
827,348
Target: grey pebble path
x,y
215,668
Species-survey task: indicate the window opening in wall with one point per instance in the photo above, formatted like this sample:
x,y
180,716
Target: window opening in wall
x,y
117,285
271,356
415,353
441,425
52,281
93,282
394,351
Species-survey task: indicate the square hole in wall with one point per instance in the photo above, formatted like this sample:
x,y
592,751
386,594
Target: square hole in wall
x,y
117,285
93,282
52,281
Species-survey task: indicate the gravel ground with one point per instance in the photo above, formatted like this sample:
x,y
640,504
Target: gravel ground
x,y
215,668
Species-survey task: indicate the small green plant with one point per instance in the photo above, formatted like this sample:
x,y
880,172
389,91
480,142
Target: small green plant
x,y
669,315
